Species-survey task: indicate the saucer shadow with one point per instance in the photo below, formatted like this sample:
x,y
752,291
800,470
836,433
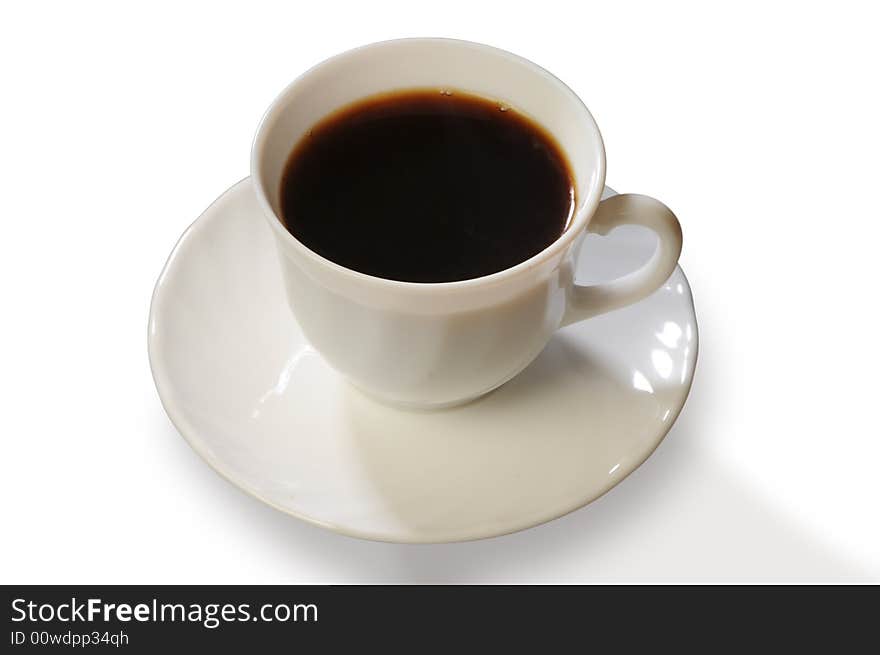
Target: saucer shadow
x,y
683,516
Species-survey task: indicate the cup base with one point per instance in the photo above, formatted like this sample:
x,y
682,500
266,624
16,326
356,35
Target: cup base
x,y
418,407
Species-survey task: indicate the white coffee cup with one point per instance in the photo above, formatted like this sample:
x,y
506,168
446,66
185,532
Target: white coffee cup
x,y
435,345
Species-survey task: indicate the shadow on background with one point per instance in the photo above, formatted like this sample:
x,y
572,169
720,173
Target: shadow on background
x,y
683,516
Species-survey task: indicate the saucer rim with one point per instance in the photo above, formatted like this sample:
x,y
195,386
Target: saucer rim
x,y
190,433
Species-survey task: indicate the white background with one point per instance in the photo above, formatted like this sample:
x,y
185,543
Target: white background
x,y
758,124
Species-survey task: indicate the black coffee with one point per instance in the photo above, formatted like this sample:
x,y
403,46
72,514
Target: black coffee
x,y
427,186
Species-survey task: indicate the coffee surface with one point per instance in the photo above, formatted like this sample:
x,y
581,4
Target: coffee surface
x,y
427,186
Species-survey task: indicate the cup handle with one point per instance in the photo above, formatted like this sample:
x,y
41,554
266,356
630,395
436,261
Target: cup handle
x,y
586,301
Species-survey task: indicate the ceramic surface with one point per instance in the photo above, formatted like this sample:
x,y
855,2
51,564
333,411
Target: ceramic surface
x,y
435,345
258,403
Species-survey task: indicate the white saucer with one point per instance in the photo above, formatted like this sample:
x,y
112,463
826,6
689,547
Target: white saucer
x,y
260,406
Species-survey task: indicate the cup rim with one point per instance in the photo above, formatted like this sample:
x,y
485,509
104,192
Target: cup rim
x,y
577,224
